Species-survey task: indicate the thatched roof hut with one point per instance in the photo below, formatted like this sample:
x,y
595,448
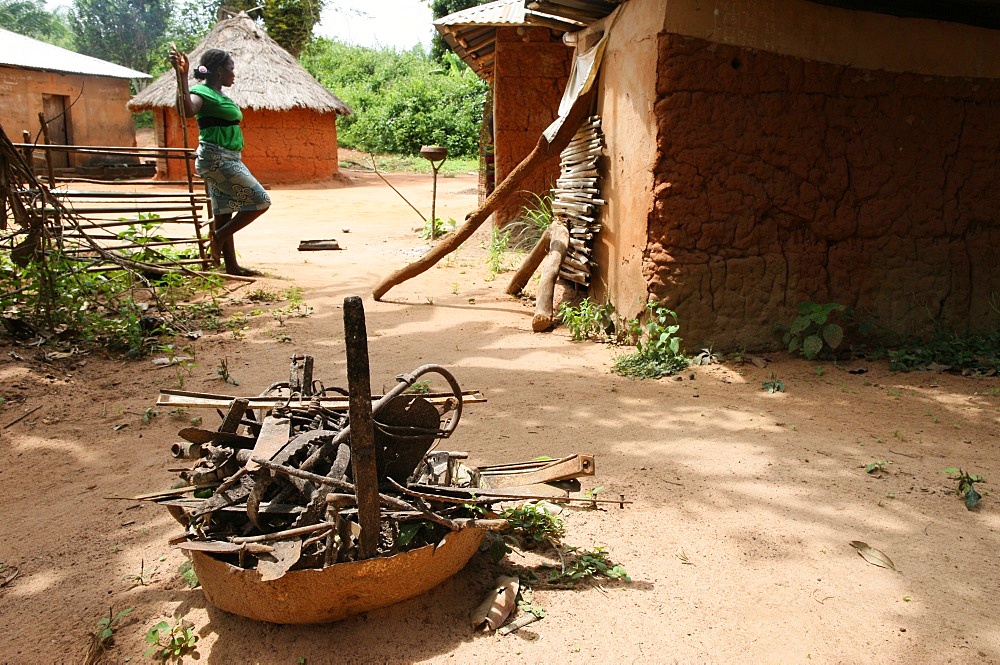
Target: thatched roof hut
x,y
289,119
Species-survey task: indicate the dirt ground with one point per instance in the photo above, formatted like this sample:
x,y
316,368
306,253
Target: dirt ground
x,y
745,502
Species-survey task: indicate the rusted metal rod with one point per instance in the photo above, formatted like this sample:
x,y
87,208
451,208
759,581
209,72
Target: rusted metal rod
x,y
363,462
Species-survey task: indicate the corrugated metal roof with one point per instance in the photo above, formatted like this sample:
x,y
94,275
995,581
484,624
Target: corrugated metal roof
x,y
27,53
501,12
471,33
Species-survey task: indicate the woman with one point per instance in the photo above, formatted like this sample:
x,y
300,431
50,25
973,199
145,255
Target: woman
x,y
237,197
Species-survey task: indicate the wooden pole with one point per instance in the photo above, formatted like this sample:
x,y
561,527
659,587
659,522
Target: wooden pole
x,y
362,427
527,269
558,243
510,185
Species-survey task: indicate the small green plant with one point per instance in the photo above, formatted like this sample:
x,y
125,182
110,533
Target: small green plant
x,y
223,371
149,414
104,638
262,295
706,357
420,387
657,352
434,229
526,603
812,332
535,217
171,641
187,572
143,578
966,486
531,525
582,564
496,251
878,466
773,385
592,494
586,320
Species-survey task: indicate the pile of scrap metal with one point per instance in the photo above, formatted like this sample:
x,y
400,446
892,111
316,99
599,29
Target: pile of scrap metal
x,y
316,508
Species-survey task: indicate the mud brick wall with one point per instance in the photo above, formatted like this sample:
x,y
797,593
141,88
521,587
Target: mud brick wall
x,y
282,147
530,72
781,180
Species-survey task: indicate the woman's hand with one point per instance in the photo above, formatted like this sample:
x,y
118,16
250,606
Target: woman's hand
x,y
179,61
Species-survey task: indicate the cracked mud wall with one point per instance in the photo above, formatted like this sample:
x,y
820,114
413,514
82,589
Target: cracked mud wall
x,y
780,180
531,69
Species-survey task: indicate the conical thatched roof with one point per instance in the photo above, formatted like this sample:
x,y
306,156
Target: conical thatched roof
x,y
267,76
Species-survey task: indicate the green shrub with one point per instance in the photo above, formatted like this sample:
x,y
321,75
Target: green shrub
x,y
658,351
586,320
967,353
812,332
401,100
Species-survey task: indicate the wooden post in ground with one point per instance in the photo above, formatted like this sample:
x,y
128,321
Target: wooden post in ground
x,y
362,427
558,242
528,266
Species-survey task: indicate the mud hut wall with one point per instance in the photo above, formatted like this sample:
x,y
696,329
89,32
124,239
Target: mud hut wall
x,y
781,179
96,117
625,104
530,72
282,147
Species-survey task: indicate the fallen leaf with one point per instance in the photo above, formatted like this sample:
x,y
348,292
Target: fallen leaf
x,y
120,426
873,556
498,604
680,554
758,361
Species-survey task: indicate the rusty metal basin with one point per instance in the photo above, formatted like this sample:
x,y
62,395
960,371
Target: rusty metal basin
x,y
335,592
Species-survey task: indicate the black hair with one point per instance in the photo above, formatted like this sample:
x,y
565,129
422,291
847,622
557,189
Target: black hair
x,y
212,60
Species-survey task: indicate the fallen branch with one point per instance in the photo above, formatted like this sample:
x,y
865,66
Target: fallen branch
x,y
511,184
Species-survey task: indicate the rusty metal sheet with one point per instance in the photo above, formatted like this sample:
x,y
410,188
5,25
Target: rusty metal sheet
x,y
274,434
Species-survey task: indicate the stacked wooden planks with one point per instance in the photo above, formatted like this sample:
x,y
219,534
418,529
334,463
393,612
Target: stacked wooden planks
x,y
576,201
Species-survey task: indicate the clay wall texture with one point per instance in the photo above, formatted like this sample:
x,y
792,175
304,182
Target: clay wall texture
x,y
780,180
625,102
282,147
530,74
98,117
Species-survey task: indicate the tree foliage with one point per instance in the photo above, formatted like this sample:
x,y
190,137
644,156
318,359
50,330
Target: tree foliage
x,y
126,32
442,8
31,19
288,22
401,100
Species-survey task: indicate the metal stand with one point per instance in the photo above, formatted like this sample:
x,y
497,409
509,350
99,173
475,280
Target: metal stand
x,y
436,155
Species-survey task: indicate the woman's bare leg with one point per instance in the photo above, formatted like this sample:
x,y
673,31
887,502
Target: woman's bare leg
x,y
216,242
224,239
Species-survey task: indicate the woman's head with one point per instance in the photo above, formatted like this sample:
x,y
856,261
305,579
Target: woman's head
x,y
213,63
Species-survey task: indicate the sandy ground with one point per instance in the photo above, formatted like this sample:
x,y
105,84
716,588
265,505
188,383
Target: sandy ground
x,y
744,503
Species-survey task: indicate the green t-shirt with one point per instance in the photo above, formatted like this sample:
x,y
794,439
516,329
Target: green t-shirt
x,y
217,105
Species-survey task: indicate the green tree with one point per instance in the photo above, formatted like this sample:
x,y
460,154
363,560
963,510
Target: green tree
x,y
190,21
288,22
31,19
127,32
401,100
442,8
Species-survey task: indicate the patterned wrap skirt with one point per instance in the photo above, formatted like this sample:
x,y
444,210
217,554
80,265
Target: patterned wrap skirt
x,y
231,186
